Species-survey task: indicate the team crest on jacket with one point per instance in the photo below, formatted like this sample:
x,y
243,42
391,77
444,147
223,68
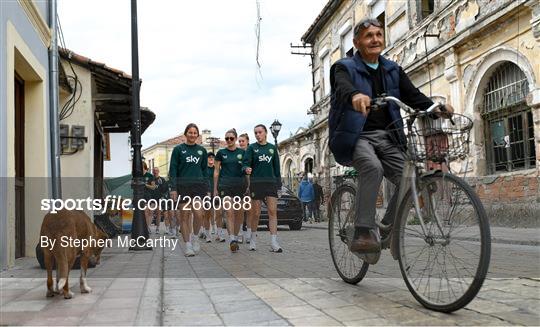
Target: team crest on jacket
x,y
271,151
239,156
199,152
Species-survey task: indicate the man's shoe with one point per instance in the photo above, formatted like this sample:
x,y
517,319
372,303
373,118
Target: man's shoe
x,y
364,242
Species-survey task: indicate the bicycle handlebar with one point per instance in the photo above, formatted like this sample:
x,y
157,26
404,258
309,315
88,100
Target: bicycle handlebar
x,y
381,101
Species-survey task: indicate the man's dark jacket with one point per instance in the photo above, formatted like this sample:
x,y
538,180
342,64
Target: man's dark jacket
x,y
345,123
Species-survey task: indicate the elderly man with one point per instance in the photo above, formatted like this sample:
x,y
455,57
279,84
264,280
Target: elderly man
x,y
358,136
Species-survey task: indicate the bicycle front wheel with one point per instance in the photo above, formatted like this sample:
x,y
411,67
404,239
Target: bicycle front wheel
x,y
350,267
445,263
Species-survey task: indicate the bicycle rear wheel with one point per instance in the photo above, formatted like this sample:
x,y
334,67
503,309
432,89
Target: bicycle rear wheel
x,y
444,271
350,267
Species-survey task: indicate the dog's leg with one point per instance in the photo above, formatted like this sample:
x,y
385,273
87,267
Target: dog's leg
x,y
64,266
48,265
55,263
84,265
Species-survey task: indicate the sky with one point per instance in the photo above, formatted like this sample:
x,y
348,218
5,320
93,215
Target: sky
x,y
197,59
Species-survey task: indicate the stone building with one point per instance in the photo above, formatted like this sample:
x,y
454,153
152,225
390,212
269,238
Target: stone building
x,y
478,55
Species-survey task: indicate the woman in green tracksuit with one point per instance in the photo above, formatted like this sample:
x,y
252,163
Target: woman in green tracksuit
x,y
229,182
187,173
261,162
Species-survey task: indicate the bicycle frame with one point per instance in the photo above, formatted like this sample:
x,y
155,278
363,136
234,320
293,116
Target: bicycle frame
x,y
409,180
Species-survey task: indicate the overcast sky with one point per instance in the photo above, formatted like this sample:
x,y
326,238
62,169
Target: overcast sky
x,y
197,59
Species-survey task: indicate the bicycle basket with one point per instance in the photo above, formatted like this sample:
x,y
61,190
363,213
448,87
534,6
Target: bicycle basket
x,y
432,140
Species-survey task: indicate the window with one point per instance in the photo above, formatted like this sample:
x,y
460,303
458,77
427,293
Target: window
x,y
308,166
381,18
378,8
326,73
318,94
347,48
426,8
316,77
508,121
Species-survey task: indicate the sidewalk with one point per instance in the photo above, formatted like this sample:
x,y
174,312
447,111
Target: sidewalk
x,y
125,291
297,287
505,235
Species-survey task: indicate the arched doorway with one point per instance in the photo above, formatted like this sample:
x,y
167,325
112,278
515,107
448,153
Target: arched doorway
x,y
308,166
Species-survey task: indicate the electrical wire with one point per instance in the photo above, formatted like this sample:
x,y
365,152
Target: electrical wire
x,y
69,107
258,38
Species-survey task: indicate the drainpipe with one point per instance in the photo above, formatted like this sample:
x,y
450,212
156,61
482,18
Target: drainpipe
x,y
54,124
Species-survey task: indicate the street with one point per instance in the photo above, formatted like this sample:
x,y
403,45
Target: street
x,y
297,287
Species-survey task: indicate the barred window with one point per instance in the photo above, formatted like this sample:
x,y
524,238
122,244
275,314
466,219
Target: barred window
x,y
508,121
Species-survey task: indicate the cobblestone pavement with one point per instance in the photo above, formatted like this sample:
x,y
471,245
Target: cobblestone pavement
x,y
297,287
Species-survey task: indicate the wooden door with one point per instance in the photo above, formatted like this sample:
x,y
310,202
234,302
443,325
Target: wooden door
x,y
19,168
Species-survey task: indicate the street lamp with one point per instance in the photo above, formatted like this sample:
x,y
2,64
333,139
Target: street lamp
x,y
275,128
139,229
213,141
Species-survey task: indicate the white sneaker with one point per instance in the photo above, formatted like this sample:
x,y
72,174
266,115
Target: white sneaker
x,y
276,247
222,237
248,237
162,228
252,245
196,246
240,238
208,238
188,252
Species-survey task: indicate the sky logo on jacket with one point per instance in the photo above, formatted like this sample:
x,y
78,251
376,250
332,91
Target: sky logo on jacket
x,y
264,157
193,159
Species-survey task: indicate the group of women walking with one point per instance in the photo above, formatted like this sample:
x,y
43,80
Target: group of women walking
x,y
242,175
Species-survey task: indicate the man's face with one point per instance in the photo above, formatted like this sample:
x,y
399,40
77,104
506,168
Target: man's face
x,y
210,161
370,41
156,171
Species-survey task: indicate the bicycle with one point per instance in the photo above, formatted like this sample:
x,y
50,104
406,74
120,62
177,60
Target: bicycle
x,y
440,235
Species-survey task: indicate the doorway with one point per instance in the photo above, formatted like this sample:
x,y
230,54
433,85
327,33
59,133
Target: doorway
x,y
19,168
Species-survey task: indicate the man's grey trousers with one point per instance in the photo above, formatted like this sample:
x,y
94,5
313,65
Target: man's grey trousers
x,y
375,155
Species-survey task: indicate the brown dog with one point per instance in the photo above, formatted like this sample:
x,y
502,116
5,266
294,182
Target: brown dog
x,y
60,233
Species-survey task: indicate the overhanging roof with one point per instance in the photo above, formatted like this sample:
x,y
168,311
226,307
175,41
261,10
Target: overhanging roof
x,y
112,95
317,25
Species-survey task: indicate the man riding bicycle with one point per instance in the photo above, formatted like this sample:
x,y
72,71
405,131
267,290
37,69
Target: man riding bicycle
x,y
358,135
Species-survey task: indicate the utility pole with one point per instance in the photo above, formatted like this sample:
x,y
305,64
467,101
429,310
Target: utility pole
x,y
139,229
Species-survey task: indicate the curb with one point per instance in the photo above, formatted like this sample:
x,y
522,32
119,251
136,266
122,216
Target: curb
x,y
493,239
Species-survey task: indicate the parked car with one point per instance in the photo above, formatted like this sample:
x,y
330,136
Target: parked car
x,y
289,210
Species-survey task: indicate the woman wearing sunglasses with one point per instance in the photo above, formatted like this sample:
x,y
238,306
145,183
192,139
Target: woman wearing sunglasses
x,y
229,184
261,162
187,174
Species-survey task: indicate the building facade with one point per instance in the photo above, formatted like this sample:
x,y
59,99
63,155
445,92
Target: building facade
x,y
25,153
478,55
